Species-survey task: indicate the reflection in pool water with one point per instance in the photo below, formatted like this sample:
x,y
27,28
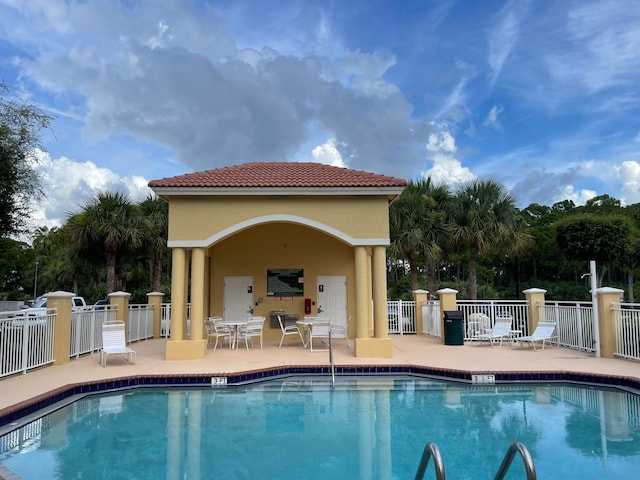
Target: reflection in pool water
x,y
299,427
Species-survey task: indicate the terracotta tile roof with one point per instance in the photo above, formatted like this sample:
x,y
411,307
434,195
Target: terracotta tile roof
x,y
279,175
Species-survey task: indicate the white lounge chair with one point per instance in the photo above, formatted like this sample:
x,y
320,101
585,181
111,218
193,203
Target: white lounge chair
x,y
289,330
319,329
114,343
542,333
501,330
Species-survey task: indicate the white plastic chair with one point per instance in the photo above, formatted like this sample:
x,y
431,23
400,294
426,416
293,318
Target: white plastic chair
x,y
216,330
288,331
253,329
501,330
319,329
542,333
341,331
114,343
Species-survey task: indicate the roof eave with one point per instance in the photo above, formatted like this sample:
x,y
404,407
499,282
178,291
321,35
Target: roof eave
x,y
391,191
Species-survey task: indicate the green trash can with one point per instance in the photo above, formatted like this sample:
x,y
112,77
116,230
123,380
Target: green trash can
x,y
453,327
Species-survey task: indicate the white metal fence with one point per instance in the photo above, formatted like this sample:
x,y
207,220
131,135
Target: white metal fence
x,y
482,314
86,329
140,322
26,342
574,324
431,324
402,316
627,327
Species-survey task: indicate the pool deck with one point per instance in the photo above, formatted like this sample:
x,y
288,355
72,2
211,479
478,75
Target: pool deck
x,y
408,350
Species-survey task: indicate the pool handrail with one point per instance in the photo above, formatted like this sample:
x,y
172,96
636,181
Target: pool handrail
x,y
529,467
431,450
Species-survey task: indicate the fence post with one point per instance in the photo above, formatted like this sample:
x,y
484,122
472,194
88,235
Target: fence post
x,y
607,296
155,300
419,297
448,301
535,298
121,301
61,301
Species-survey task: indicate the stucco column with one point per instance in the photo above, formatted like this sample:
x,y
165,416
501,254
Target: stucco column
x,y
379,279
178,293
370,286
362,327
535,307
61,301
155,300
121,301
606,317
199,344
420,298
448,301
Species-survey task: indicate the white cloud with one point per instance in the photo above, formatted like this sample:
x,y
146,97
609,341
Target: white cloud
x,y
446,168
492,118
629,174
328,154
67,184
579,197
503,38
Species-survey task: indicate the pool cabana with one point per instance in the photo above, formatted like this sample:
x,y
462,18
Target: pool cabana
x,y
279,236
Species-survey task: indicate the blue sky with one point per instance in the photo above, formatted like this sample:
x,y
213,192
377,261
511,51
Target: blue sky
x,y
541,95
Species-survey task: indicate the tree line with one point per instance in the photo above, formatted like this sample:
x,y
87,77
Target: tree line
x,y
476,240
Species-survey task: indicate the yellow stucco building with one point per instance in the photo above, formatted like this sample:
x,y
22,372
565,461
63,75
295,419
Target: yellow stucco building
x,y
263,237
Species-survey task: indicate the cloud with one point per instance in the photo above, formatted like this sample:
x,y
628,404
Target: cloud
x,y
492,118
177,78
446,168
503,38
67,184
328,154
568,192
629,174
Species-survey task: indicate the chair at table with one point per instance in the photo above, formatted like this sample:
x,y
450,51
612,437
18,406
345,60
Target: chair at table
x,y
288,331
319,329
253,329
215,329
341,331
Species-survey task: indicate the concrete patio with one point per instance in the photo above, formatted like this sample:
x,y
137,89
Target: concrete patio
x,y
408,350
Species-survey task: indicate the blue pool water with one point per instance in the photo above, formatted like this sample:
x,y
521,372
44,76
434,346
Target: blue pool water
x,y
301,428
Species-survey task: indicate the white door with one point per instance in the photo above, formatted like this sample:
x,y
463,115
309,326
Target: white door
x,y
238,297
332,298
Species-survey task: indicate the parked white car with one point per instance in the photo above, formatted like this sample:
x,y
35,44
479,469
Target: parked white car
x,y
39,307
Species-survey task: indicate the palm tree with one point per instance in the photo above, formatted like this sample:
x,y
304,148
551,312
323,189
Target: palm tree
x,y
106,223
485,217
405,228
154,212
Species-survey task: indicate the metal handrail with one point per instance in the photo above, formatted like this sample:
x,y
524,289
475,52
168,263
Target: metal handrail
x,y
517,447
431,450
333,368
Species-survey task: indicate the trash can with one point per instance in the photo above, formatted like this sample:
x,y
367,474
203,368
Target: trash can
x,y
453,327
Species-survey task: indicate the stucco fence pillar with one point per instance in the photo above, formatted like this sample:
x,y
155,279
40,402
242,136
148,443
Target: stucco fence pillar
x,y
62,303
154,300
121,301
448,301
607,299
420,298
535,307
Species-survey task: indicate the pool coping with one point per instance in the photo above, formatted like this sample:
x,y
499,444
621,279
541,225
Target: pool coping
x,y
9,416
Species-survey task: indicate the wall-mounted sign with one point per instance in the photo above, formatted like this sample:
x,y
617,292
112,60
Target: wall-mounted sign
x,y
285,282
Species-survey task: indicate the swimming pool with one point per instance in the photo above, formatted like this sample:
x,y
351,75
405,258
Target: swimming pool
x,y
300,427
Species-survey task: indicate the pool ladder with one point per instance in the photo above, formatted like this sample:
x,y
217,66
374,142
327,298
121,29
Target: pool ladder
x,y
431,450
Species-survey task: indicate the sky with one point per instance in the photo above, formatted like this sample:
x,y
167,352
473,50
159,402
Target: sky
x,y
540,95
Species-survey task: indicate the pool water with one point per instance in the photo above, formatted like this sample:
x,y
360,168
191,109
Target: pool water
x,y
302,428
